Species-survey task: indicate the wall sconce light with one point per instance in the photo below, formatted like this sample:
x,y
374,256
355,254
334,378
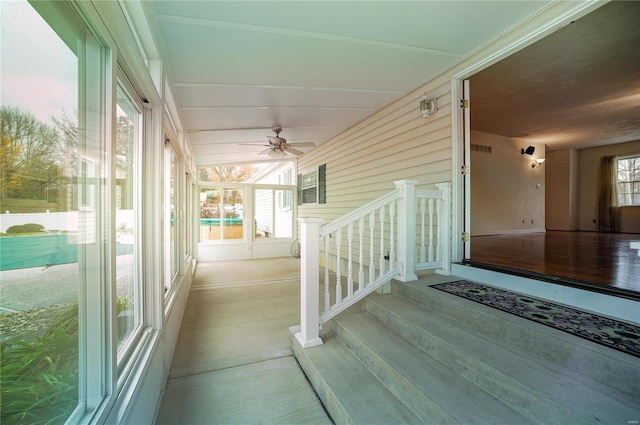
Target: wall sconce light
x,y
529,151
427,106
537,163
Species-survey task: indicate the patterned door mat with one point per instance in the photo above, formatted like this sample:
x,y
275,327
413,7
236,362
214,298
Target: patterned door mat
x,y
612,333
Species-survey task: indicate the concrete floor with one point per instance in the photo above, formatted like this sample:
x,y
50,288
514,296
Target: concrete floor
x,y
233,363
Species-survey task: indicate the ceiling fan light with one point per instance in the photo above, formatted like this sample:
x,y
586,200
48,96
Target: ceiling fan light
x,y
277,153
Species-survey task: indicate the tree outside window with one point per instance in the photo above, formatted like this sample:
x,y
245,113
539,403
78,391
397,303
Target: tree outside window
x,y
629,181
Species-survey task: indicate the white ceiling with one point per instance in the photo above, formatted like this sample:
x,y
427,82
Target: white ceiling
x,y
313,67
578,87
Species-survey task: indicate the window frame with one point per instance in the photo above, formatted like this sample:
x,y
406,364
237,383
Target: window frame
x,y
321,186
222,187
306,186
130,343
172,254
97,376
636,183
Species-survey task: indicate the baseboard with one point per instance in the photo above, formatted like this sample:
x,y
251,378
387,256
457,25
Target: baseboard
x,y
509,232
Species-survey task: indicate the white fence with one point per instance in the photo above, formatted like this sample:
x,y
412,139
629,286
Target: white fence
x,y
60,221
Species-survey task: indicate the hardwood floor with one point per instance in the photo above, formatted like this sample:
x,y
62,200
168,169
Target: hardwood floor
x,y
603,259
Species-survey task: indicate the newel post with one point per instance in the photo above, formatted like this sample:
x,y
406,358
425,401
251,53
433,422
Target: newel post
x,y
407,230
444,227
309,335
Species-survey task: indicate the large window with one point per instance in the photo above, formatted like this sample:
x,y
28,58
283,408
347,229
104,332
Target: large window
x,y
221,214
53,266
629,180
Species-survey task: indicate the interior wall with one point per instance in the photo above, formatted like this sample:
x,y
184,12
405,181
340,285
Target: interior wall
x,y
589,162
507,194
561,192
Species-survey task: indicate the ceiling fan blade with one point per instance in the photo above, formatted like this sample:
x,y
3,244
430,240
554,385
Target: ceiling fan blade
x,y
264,152
303,145
289,149
253,144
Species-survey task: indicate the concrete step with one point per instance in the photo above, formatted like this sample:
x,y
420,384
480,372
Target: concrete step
x,y
434,394
349,392
539,390
615,369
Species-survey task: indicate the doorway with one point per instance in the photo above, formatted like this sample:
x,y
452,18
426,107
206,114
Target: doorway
x,y
523,110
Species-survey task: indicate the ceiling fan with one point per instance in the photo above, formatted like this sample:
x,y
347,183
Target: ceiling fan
x,y
278,146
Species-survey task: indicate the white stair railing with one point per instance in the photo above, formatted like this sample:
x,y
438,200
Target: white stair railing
x,y
387,229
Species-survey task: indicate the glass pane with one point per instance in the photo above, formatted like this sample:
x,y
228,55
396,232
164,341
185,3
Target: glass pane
x,y
47,212
310,180
309,196
127,137
232,212
232,173
173,237
628,180
210,215
264,214
284,214
221,214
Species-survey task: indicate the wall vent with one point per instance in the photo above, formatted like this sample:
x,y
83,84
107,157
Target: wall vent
x,y
481,148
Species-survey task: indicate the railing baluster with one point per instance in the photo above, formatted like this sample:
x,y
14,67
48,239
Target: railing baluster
x,y
439,221
444,228
392,249
327,296
372,227
382,219
338,266
431,232
361,256
350,264
423,257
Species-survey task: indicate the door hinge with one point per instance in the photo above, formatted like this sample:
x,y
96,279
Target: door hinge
x,y
465,237
464,103
464,170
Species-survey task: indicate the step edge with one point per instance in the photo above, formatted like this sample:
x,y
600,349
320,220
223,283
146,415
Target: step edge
x,y
514,393
591,355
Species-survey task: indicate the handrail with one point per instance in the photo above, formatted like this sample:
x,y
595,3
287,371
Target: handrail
x,y
359,212
386,229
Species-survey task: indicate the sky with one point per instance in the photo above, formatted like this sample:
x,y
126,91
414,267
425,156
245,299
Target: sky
x,y
38,72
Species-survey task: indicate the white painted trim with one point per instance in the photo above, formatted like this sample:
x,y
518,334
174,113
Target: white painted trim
x,y
512,232
616,307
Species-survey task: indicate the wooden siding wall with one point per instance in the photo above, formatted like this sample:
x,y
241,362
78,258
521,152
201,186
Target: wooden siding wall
x,y
395,143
